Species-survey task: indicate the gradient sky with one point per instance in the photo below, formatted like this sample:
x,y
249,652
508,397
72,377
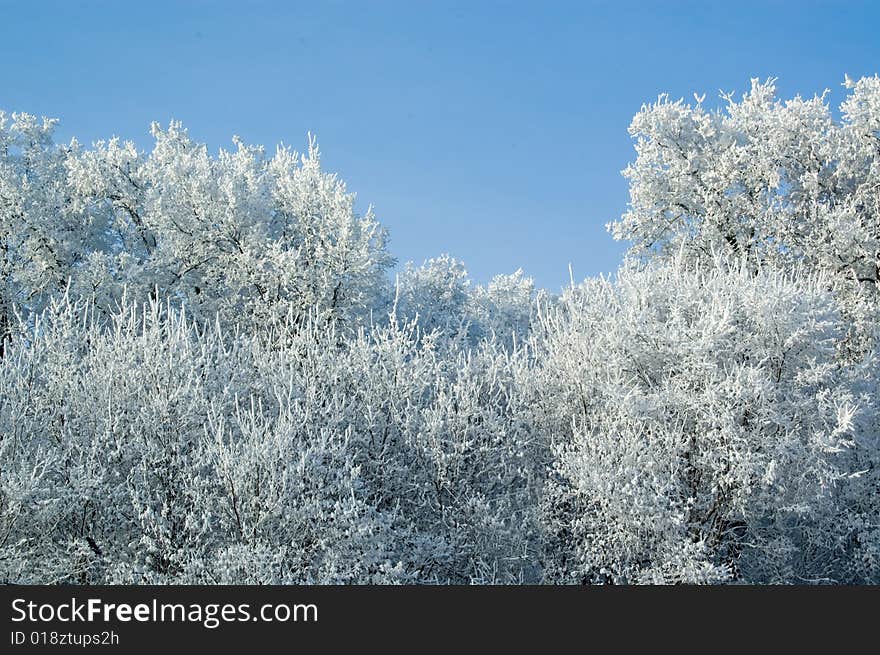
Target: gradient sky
x,y
494,131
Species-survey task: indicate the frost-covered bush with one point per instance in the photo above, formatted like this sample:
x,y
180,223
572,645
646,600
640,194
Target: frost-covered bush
x,y
701,427
150,451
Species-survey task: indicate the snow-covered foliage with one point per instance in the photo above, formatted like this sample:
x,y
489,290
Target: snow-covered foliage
x,y
241,235
435,294
703,431
207,375
147,450
765,181
438,295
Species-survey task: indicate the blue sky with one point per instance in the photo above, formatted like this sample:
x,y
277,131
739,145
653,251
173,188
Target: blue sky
x,y
494,131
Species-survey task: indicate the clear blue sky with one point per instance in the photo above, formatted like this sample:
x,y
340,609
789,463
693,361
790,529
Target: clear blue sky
x,y
494,131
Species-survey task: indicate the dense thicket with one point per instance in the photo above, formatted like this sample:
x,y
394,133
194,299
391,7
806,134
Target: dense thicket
x,y
207,375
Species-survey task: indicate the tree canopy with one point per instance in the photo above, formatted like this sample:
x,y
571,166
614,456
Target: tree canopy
x,y
208,374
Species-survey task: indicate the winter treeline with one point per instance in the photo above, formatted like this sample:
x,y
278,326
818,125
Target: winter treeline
x,y
209,376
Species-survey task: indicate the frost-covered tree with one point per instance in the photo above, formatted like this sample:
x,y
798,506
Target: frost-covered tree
x,y
765,181
44,235
241,235
785,186
434,294
438,295
762,179
504,308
